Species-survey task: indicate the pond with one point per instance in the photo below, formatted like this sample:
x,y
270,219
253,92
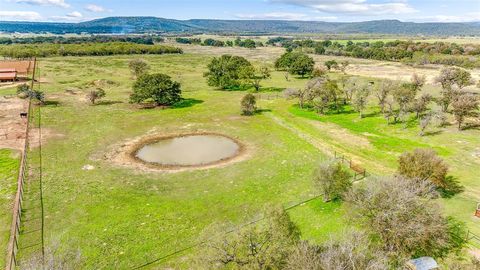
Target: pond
x,y
190,150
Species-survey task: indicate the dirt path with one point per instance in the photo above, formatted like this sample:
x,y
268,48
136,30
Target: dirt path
x,y
325,147
12,126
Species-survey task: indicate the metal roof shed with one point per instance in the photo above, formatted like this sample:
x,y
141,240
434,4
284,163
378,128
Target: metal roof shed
x,y
423,263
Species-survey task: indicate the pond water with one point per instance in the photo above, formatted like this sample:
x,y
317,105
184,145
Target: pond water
x,y
189,150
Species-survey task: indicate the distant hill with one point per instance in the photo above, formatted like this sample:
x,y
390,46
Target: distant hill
x,y
120,25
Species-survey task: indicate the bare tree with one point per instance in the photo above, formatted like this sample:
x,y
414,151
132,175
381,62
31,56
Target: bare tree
x,y
261,246
420,105
449,78
424,123
382,91
465,105
396,212
343,66
354,251
138,67
360,98
418,81
350,87
95,94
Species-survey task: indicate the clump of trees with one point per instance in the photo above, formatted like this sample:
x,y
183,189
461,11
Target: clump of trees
x,y
248,104
157,88
230,72
296,63
404,51
227,71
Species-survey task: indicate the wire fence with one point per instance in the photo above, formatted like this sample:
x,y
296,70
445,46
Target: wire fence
x,y
473,239
12,248
359,173
269,96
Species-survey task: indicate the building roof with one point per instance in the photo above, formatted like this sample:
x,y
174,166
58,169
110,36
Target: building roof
x,y
423,263
7,70
8,76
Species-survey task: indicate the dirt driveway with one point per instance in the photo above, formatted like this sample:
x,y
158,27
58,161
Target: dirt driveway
x,y
12,126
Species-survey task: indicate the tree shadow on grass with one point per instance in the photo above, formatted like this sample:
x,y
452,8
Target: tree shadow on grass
x,y
186,103
453,187
260,111
108,102
51,103
433,133
271,89
470,126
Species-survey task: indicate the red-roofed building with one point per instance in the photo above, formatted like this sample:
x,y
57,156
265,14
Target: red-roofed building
x,y
8,74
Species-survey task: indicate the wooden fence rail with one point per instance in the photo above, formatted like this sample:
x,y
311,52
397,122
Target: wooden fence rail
x,y
359,172
12,248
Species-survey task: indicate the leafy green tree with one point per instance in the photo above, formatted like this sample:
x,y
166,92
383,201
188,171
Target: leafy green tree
x,y
296,63
423,165
302,65
332,179
138,67
157,87
331,64
254,76
227,71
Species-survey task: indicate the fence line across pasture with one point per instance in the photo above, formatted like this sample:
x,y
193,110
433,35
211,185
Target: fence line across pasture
x,y
23,174
12,248
252,222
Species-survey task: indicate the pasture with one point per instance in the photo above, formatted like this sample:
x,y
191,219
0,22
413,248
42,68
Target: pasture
x,y
121,217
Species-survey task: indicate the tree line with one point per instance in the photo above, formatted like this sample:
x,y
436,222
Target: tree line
x,y
87,49
397,101
238,42
407,51
147,40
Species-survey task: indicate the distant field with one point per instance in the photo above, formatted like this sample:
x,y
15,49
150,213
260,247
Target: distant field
x,y
120,218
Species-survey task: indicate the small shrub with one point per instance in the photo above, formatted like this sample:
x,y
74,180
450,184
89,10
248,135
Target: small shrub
x,y
423,165
248,104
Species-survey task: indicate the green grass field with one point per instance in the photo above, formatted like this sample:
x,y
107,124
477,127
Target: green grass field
x,y
120,218
9,163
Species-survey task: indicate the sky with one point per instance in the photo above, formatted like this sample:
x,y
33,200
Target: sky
x,y
310,10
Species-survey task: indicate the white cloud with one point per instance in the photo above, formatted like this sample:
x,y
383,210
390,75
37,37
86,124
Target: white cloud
x,y
273,16
468,17
95,8
19,16
289,16
357,7
58,3
75,14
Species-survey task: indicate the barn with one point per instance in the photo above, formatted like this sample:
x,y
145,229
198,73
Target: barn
x,y
8,74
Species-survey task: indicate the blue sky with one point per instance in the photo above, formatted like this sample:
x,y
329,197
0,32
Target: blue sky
x,y
318,10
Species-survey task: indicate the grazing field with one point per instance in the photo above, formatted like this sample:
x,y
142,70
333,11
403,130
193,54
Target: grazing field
x,y
8,174
121,217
